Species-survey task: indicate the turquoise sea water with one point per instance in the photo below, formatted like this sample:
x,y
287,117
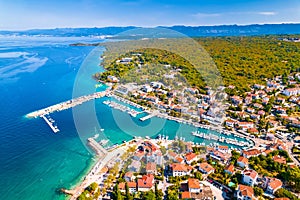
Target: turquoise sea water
x,y
36,72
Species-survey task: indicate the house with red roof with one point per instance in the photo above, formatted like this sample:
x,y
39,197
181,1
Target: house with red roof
x,y
251,152
194,185
151,168
249,176
279,159
242,162
271,185
186,195
190,157
229,169
145,183
131,186
245,192
178,169
206,168
129,176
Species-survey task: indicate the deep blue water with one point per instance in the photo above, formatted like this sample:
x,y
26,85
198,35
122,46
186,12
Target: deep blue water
x,y
38,72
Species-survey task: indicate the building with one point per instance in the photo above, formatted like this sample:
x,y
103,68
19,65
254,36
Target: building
x,y
206,168
245,192
249,177
245,125
271,185
112,79
279,159
251,152
186,195
151,168
138,155
128,176
135,166
242,162
291,91
131,187
193,185
190,157
230,123
145,183
229,169
178,169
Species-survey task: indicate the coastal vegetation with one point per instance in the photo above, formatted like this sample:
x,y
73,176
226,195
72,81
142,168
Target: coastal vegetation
x,y
241,61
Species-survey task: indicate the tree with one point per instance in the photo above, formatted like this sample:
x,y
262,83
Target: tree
x,y
128,195
116,194
285,193
198,175
158,193
93,187
148,195
258,191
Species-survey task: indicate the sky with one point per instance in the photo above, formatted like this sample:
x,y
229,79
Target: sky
x,y
31,14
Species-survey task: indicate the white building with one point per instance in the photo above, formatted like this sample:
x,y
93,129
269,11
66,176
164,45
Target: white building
x,y
249,177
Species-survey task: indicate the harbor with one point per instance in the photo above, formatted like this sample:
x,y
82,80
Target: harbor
x,y
44,113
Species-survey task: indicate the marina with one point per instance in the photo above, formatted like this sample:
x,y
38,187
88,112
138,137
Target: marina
x,y
222,139
44,113
122,108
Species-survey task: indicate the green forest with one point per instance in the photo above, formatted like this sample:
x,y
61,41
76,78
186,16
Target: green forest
x,y
241,61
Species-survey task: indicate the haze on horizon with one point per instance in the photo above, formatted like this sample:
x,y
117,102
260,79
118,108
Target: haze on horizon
x,y
31,14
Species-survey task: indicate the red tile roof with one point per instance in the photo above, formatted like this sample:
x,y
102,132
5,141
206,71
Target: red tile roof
x,y
186,195
193,183
122,186
250,172
230,168
246,190
151,166
252,152
146,181
275,183
243,160
279,159
131,184
179,167
206,167
190,156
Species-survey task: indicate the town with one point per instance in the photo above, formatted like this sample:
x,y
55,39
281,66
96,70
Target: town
x,y
175,169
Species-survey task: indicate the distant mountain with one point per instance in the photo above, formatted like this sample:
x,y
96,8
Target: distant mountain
x,y
222,30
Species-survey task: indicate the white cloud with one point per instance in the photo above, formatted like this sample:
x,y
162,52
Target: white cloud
x,y
267,13
203,15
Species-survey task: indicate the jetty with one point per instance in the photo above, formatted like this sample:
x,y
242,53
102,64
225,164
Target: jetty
x,y
44,113
99,149
50,123
67,104
149,116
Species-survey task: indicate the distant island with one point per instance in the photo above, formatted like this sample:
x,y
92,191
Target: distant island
x,y
193,31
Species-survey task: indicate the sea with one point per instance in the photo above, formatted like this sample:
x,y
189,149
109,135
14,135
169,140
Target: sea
x,y
39,71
